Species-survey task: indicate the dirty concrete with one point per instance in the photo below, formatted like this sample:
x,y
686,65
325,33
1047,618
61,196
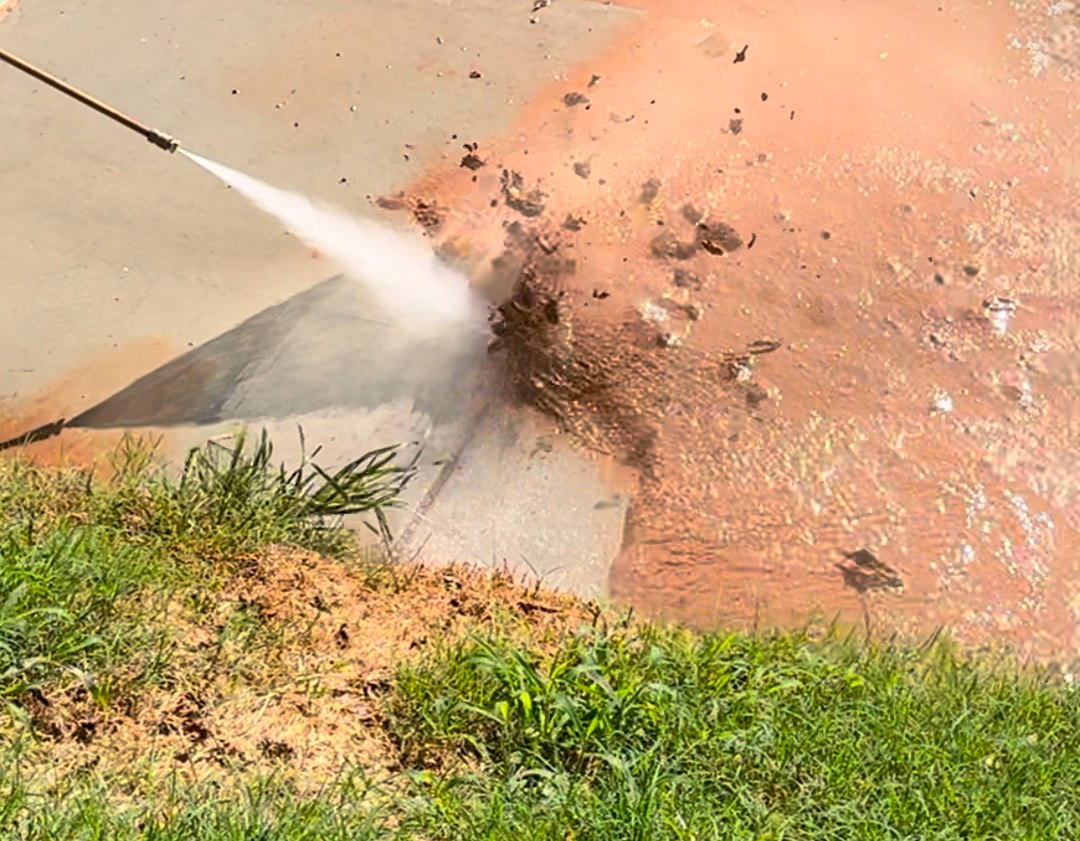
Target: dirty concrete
x,y
902,192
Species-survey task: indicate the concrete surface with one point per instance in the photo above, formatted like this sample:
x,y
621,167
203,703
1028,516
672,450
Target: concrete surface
x,y
519,488
124,266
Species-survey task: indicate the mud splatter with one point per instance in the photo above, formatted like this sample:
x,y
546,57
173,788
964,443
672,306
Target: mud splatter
x,y
921,150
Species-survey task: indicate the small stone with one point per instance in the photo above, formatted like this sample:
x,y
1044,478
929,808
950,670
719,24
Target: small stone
x,y
718,238
686,280
942,402
691,214
667,245
650,190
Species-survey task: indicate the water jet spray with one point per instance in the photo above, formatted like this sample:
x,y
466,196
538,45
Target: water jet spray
x,y
159,139
432,317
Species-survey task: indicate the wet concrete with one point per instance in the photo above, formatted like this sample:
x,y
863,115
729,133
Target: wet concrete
x,y
321,349
903,190
521,484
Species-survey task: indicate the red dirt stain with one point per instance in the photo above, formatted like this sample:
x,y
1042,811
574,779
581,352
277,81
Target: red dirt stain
x,y
74,392
904,182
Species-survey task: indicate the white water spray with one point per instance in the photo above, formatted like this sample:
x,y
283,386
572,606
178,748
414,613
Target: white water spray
x,y
420,292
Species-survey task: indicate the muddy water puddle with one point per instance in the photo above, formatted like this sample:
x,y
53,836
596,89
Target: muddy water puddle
x,y
813,275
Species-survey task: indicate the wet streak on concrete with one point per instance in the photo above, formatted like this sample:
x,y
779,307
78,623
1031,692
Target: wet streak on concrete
x,y
324,348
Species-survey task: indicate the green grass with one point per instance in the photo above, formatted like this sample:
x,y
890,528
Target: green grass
x,y
261,810
230,500
64,606
650,733
621,731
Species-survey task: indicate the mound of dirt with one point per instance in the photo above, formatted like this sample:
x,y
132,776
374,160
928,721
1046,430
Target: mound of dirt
x,y
285,671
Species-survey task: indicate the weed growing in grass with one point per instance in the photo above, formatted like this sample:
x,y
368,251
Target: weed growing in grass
x,y
230,500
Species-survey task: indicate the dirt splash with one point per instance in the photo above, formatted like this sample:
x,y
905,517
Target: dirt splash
x,y
901,187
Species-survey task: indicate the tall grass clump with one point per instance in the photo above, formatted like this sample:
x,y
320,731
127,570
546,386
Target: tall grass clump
x,y
232,499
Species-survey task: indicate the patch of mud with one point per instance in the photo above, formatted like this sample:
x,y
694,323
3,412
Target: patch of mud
x,y
611,379
904,200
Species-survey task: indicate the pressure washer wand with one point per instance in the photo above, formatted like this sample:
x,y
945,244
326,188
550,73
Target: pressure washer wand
x,y
160,140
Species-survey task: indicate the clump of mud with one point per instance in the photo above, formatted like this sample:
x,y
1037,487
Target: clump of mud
x,y
610,380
